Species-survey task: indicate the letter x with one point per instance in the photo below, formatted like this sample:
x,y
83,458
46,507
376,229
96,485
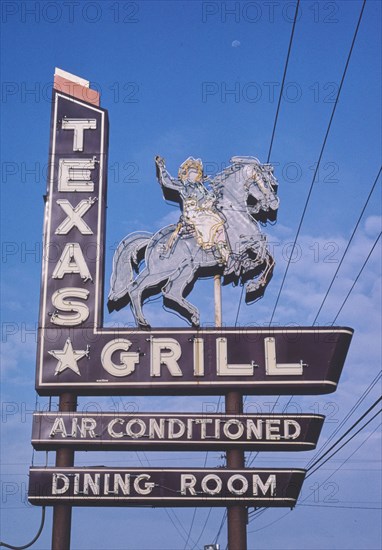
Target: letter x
x,y
74,216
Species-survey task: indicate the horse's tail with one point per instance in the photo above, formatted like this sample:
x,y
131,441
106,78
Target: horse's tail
x,y
126,260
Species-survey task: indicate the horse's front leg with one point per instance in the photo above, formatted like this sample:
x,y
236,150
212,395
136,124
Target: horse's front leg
x,y
254,290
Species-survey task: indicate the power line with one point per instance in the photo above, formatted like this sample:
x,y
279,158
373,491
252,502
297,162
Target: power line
x,y
346,442
239,305
276,119
347,247
358,276
331,475
343,507
268,159
210,510
189,532
312,187
167,511
33,540
283,81
203,529
338,441
346,433
221,526
319,160
351,454
348,415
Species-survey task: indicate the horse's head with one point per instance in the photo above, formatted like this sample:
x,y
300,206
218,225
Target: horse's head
x,y
261,186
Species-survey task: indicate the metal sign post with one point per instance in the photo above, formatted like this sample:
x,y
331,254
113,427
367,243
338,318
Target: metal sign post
x,y
62,513
236,515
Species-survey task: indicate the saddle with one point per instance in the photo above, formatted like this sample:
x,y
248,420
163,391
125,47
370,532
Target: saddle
x,y
182,231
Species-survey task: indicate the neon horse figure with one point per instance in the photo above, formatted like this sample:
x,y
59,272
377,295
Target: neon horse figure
x,y
217,234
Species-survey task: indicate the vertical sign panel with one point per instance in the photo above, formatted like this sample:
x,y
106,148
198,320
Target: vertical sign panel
x,y
72,292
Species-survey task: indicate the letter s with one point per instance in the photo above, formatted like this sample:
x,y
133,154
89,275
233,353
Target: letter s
x,y
79,311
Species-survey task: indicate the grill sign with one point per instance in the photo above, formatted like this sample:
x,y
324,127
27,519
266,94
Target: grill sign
x,y
164,487
178,431
77,354
258,361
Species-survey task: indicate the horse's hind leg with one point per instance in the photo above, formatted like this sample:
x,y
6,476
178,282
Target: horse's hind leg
x,y
173,293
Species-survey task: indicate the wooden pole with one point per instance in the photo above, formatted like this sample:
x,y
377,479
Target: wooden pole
x,y
62,513
236,515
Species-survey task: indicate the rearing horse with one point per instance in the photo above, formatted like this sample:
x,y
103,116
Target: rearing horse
x,y
245,193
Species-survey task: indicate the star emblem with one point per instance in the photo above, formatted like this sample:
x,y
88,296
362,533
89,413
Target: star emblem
x,y
68,357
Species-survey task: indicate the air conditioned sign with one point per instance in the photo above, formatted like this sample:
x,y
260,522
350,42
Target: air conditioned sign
x,y
164,487
175,431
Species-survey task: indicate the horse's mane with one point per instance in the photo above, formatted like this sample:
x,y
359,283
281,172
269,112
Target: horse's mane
x,y
219,181
237,163
262,210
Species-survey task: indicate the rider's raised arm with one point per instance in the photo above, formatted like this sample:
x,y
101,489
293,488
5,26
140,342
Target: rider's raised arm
x,y
171,187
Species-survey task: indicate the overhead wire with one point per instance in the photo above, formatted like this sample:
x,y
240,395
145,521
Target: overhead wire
x,y
311,187
256,513
283,81
195,509
347,416
358,276
29,544
268,158
276,117
343,445
313,181
221,526
322,483
355,406
309,194
322,455
342,506
42,523
303,215
319,160
311,464
166,510
347,246
203,529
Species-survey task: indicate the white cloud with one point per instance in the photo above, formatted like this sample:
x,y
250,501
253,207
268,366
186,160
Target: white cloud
x,y
373,225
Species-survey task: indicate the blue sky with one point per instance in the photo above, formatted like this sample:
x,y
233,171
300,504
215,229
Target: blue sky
x,y
186,79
